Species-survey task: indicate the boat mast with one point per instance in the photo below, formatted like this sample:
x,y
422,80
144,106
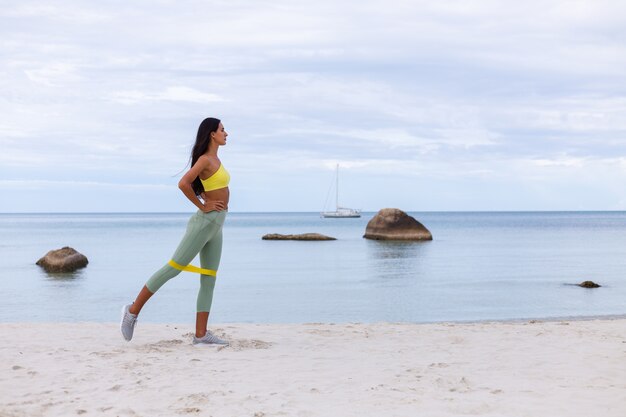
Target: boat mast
x,y
337,196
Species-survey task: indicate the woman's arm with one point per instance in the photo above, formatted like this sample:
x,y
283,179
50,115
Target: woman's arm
x,y
185,186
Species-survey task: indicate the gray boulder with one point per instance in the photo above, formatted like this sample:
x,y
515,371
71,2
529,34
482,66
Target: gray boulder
x,y
63,260
394,224
304,236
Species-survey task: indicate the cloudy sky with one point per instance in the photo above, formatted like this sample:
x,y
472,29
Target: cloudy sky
x,y
452,105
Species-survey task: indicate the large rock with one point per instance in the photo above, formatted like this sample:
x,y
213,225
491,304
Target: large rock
x,y
394,224
63,260
589,284
304,236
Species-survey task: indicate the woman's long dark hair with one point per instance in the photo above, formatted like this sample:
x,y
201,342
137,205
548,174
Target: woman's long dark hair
x,y
203,139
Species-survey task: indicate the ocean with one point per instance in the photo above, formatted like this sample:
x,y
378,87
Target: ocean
x,y
479,266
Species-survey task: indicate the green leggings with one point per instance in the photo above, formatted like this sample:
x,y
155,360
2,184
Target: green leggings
x,y
203,236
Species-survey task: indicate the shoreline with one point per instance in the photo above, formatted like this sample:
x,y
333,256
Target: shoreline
x,y
556,368
546,319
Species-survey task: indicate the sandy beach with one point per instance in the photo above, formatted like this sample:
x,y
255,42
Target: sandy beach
x,y
552,369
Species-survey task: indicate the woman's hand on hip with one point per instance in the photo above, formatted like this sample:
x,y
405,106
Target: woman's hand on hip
x,y
213,205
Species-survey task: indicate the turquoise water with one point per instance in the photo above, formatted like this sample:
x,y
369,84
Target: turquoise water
x,y
480,266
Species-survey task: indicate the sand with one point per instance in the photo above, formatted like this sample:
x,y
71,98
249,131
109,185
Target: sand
x,y
551,369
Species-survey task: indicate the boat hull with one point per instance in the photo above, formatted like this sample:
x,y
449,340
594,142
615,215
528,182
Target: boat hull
x,y
340,216
342,213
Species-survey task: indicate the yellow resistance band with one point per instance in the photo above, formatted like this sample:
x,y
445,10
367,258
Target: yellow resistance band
x,y
191,268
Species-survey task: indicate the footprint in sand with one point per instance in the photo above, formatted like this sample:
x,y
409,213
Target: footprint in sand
x,y
161,345
190,410
107,354
244,344
462,386
438,365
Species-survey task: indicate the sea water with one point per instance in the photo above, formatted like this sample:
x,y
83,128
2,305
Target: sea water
x,y
479,266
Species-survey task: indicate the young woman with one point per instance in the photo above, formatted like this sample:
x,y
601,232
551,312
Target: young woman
x,y
206,186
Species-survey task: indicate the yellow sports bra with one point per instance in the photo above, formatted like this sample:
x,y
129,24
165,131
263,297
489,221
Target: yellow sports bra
x,y
219,179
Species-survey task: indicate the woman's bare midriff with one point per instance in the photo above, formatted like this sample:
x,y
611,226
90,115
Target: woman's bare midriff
x,y
223,194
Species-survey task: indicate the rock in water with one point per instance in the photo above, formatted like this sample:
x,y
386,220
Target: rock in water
x,y
588,284
394,224
63,260
304,236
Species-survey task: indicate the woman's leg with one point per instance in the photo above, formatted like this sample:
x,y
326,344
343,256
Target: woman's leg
x,y
143,296
210,256
195,238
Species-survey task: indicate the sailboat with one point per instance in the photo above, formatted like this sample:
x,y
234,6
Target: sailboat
x,y
340,212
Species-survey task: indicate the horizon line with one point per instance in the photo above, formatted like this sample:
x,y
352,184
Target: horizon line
x,y
314,212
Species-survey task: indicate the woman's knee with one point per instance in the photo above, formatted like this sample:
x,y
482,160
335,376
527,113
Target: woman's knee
x,y
160,277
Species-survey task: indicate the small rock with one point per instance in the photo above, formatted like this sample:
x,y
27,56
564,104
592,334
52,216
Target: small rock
x,y
304,236
63,260
395,224
588,284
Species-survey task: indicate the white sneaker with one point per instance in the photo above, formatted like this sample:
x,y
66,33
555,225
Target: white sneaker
x,y
209,339
127,325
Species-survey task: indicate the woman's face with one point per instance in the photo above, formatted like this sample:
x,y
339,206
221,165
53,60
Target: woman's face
x,y
220,135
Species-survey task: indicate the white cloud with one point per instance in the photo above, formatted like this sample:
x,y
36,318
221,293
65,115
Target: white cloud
x,y
561,162
67,12
177,93
52,74
399,139
43,184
